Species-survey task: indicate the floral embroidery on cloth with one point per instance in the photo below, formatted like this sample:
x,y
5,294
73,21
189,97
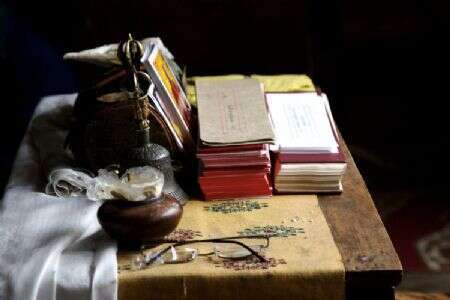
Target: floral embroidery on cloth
x,y
250,263
235,206
183,235
272,230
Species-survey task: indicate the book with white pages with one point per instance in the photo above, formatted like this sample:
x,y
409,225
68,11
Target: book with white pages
x,y
307,156
302,122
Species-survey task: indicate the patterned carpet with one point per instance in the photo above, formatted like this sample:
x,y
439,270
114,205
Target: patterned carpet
x,y
420,232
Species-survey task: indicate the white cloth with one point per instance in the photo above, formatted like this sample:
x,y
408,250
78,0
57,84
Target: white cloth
x,y
50,247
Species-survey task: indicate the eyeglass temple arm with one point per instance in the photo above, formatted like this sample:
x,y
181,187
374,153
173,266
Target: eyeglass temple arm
x,y
259,236
224,241
266,237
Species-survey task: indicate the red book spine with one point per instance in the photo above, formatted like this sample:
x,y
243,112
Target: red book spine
x,y
284,157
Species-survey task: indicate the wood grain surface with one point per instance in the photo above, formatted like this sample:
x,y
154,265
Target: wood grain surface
x,y
372,267
369,257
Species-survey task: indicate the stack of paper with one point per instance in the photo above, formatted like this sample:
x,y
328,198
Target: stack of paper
x,y
307,154
235,130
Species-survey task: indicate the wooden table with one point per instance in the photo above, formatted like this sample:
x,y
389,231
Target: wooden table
x,y
372,267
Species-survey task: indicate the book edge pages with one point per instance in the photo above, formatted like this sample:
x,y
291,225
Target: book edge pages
x,y
165,101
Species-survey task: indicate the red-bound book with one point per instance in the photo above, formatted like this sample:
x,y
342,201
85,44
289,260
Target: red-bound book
x,y
236,195
309,158
235,148
234,163
233,171
295,157
235,186
236,180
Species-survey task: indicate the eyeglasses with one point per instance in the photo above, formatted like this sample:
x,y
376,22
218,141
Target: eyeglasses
x,y
224,248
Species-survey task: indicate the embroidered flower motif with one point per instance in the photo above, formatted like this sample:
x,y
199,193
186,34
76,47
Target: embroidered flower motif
x,y
235,206
272,230
250,263
183,235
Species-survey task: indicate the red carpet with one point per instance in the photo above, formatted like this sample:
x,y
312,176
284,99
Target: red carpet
x,y
420,232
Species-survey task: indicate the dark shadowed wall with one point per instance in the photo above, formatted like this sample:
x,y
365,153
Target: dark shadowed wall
x,y
383,64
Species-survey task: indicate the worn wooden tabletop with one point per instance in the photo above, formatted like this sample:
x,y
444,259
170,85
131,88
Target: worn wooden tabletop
x,y
372,267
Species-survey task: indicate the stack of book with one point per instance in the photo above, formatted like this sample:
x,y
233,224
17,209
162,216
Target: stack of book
x,y
235,130
234,171
307,156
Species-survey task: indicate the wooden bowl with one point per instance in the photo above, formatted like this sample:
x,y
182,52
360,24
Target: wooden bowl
x,y
137,222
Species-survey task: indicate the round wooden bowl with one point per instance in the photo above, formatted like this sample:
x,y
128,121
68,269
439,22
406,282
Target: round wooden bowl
x,y
131,222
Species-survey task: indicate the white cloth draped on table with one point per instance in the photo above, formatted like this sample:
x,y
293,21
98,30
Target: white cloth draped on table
x,y
50,247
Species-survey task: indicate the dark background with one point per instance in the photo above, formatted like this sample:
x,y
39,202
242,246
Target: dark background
x,y
384,65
